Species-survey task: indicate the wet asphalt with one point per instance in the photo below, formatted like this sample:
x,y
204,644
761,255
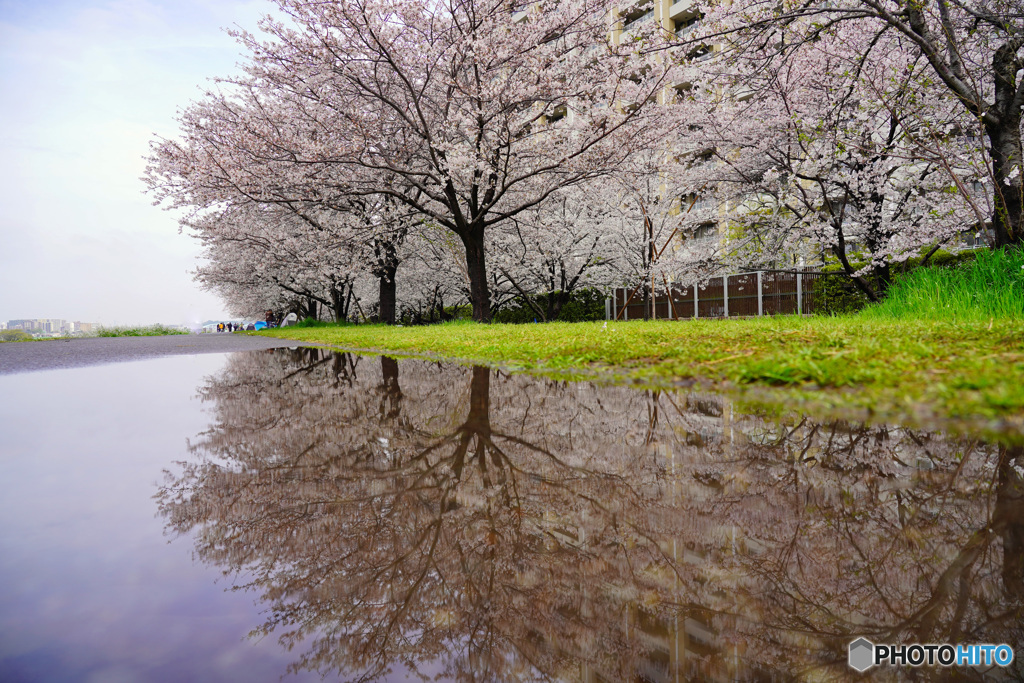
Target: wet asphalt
x,y
73,353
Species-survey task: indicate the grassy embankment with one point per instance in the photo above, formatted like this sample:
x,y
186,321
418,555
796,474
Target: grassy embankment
x,y
149,331
945,344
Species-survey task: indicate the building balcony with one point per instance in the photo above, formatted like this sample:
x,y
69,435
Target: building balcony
x,y
682,10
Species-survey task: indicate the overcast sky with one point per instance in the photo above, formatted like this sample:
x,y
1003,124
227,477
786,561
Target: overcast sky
x,y
85,85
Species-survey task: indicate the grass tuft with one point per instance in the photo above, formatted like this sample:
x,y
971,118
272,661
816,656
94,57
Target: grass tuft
x,y
989,287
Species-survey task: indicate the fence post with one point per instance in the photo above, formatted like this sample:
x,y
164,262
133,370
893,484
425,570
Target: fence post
x,y
799,293
696,304
725,293
607,308
760,296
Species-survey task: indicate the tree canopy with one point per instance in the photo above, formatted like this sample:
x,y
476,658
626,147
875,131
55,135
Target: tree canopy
x,y
377,156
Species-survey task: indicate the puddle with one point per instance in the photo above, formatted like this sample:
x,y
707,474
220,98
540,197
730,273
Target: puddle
x,y
303,513
486,526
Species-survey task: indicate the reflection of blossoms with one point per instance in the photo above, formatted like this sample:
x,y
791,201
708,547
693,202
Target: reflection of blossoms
x,y
501,527
886,533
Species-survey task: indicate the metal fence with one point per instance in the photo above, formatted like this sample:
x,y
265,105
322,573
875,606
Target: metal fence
x,y
729,296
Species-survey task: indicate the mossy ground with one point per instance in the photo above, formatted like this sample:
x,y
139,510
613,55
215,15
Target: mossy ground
x,y
965,374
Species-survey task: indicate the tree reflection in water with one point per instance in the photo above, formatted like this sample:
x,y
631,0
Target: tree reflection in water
x,y
481,526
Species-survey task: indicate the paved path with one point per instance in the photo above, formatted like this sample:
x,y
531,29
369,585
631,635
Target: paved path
x,y
73,353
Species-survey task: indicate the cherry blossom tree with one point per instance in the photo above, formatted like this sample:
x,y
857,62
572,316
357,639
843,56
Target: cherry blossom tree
x,y
468,112
261,257
232,159
972,49
434,275
234,273
445,524
834,151
557,248
647,207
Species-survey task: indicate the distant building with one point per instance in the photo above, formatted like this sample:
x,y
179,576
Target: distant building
x,y
51,326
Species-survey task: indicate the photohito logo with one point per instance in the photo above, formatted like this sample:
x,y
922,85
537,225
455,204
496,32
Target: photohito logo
x,y
864,654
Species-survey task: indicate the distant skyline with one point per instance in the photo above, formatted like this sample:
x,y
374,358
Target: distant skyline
x,y
86,85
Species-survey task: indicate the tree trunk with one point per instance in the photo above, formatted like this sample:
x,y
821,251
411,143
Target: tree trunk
x,y
391,402
479,418
1009,518
339,304
386,251
386,277
559,301
478,291
648,281
883,277
862,284
1007,194
478,422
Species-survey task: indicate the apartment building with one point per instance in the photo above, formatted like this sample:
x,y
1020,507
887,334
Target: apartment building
x,y
51,326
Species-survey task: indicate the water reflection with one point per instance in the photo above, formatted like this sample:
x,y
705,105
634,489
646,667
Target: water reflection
x,y
481,526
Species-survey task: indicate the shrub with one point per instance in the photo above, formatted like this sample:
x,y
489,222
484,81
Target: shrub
x,y
461,312
313,322
150,331
836,294
14,335
583,305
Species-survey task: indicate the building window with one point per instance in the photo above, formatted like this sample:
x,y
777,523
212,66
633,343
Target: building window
x,y
636,16
705,231
685,26
558,112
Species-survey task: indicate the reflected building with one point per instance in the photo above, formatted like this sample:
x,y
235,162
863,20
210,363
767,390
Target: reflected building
x,y
476,525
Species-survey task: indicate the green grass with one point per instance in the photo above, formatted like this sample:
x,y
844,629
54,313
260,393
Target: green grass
x,y
149,331
971,372
990,286
312,322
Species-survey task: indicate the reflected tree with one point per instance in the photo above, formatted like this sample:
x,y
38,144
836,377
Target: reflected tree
x,y
396,526
472,525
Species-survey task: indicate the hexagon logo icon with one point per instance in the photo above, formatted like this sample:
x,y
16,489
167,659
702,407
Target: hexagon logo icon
x,y
862,654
